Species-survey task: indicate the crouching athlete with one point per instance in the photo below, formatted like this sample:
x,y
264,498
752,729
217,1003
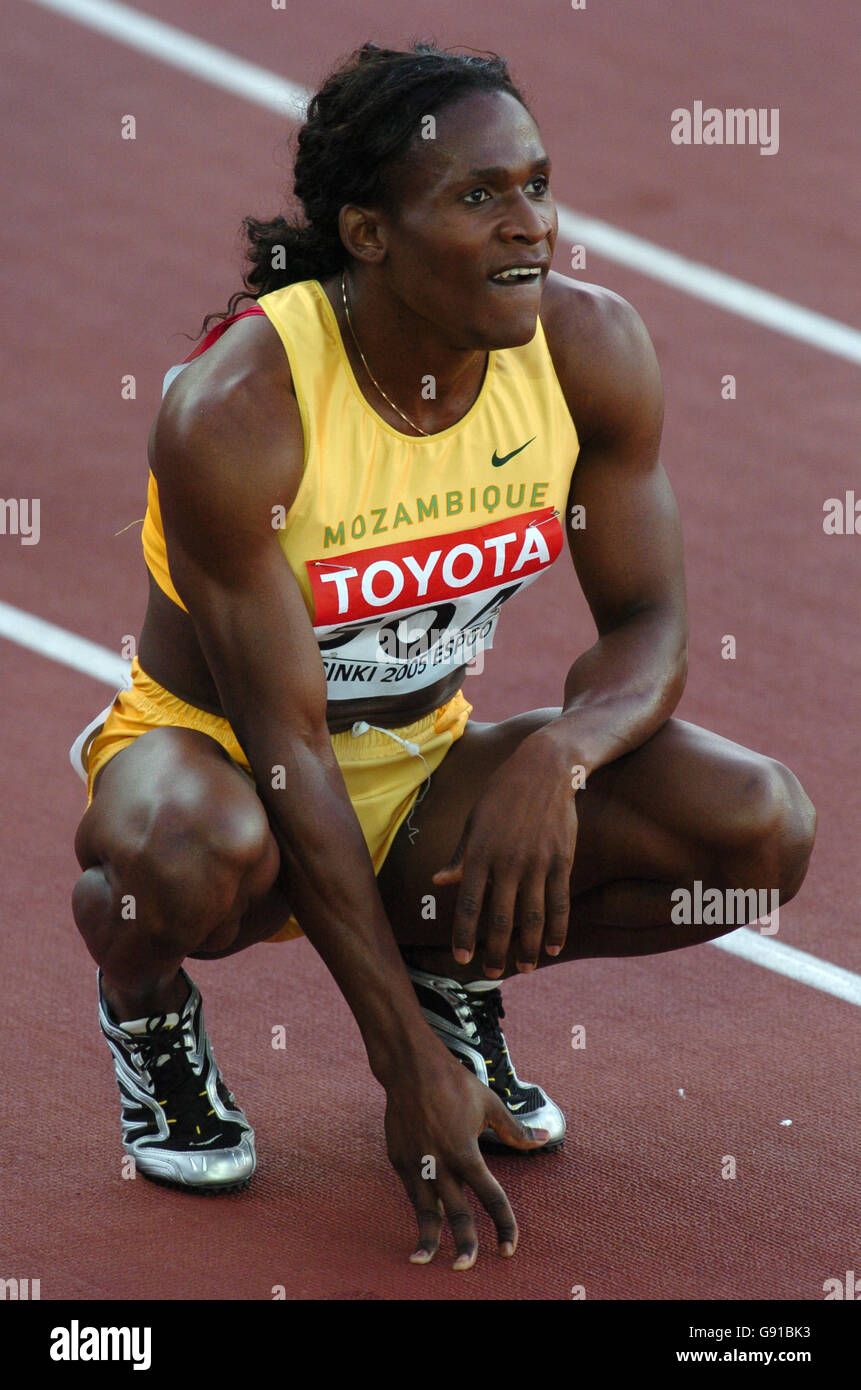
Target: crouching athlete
x,y
348,481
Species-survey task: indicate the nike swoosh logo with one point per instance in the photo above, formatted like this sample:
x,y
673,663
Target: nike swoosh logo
x,y
520,1104
203,1143
498,462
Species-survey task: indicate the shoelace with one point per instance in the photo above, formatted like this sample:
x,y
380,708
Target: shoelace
x,y
163,1048
164,1052
463,1009
480,1015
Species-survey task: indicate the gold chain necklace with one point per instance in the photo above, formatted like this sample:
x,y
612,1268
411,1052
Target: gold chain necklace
x,y
410,422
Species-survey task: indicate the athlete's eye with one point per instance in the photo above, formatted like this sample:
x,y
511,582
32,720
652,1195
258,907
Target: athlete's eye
x,y
471,196
542,182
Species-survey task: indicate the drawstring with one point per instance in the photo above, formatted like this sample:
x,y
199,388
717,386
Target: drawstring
x,y
361,727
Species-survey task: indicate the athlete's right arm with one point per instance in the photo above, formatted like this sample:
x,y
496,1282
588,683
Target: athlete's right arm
x,y
227,451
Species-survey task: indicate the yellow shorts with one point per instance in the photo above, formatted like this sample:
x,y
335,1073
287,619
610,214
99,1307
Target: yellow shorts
x,y
383,779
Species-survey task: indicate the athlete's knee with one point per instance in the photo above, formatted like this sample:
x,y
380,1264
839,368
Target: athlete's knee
x,y
91,899
181,863
196,852
772,831
240,840
239,833
797,830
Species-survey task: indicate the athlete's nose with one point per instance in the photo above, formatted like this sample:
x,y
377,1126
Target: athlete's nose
x,y
526,223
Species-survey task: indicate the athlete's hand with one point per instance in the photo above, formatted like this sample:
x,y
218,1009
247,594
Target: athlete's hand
x,y
514,860
435,1112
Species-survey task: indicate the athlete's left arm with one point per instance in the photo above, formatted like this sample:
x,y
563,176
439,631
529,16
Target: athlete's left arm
x,y
627,551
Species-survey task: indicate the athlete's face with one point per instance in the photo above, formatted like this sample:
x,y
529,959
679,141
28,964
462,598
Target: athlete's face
x,y
472,202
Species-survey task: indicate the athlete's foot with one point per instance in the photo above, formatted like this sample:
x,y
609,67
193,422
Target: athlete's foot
x,y
466,1018
181,1124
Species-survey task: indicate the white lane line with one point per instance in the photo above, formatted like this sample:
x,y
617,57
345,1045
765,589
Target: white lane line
x,y
701,282
259,85
184,51
65,647
798,965
82,655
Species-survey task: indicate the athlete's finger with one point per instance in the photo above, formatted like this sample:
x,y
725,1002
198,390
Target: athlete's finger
x,y
467,910
510,1130
429,1219
452,872
530,922
558,907
461,1223
496,1204
500,925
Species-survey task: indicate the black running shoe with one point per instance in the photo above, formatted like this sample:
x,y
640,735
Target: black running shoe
x,y
467,1021
181,1124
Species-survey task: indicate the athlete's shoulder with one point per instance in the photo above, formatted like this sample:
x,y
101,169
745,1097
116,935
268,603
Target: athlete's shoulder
x,y
235,400
603,356
228,383
581,316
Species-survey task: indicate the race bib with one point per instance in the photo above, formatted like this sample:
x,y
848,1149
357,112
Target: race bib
x,y
400,617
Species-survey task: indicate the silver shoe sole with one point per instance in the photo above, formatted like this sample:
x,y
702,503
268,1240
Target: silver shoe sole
x,y
222,1170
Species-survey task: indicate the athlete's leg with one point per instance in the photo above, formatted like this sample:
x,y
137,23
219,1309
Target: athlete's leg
x,y
178,859
687,805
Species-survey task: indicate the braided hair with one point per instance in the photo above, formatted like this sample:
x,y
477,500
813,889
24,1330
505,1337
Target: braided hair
x,y
360,122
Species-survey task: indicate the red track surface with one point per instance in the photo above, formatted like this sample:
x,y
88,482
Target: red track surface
x,y
114,246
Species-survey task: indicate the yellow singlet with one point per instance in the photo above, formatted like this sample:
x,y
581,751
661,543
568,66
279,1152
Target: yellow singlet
x,y
404,547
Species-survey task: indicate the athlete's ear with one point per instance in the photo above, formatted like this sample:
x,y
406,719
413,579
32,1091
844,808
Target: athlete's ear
x,y
363,232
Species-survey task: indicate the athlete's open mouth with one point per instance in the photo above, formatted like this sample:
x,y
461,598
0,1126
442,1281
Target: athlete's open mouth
x,y
518,275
